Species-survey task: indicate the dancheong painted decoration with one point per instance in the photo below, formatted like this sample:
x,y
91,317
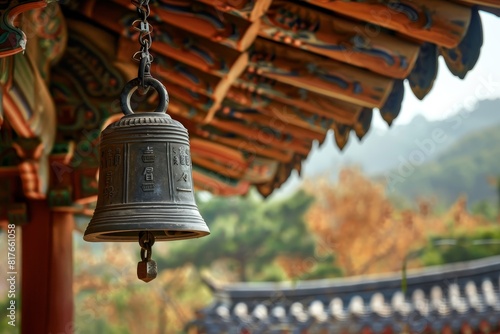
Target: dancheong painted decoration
x,y
255,82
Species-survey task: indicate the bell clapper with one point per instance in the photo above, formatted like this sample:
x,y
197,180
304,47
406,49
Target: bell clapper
x,y
147,269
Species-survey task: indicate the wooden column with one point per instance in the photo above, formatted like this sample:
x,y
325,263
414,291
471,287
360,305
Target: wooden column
x,y
47,271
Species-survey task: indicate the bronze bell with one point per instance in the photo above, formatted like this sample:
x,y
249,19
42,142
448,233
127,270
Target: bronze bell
x,y
145,182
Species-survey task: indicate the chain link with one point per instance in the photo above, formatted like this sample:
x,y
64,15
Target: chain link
x,y
145,40
146,241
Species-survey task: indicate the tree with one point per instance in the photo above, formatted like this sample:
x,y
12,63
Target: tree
x,y
247,235
356,221
464,246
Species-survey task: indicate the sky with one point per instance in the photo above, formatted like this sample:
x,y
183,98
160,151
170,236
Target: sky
x,y
449,93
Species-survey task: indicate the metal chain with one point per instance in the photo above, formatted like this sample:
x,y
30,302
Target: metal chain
x,y
145,40
146,241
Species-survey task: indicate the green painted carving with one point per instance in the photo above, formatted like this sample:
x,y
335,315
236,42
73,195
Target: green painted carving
x,y
85,86
60,197
49,26
12,39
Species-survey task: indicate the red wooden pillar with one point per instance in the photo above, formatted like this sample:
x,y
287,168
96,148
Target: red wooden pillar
x,y
47,271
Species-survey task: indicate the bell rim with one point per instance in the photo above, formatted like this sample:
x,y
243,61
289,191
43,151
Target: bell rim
x,y
102,236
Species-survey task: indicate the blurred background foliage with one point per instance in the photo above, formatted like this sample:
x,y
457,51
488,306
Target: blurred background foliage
x,y
323,230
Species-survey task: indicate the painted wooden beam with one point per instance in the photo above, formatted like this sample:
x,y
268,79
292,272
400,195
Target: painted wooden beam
x,y
283,112
216,167
252,148
30,112
264,135
191,78
28,104
192,50
48,36
85,86
392,107
240,104
6,69
231,162
425,71
219,153
327,34
364,123
307,101
217,184
486,3
206,68
250,10
283,173
319,74
341,134
265,119
436,21
32,167
12,39
193,99
261,170
202,20
203,90
461,59
15,114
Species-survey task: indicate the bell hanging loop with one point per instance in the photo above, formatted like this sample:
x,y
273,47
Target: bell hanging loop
x,y
148,81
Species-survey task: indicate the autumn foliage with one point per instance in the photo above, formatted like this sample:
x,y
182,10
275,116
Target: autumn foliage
x,y
355,220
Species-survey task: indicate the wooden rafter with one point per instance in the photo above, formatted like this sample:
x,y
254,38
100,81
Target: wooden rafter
x,y
436,21
250,10
306,101
203,20
327,34
319,74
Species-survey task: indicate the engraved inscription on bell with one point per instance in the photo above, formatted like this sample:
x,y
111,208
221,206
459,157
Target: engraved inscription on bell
x,y
149,185
148,155
181,156
110,167
110,157
148,164
108,185
181,161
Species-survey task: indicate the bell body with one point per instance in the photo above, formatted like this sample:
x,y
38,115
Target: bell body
x,y
145,182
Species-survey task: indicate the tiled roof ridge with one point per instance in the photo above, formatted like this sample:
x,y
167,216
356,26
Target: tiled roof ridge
x,y
475,270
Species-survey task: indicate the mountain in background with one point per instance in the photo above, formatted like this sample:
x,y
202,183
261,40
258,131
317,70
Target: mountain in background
x,y
464,168
442,159
382,150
